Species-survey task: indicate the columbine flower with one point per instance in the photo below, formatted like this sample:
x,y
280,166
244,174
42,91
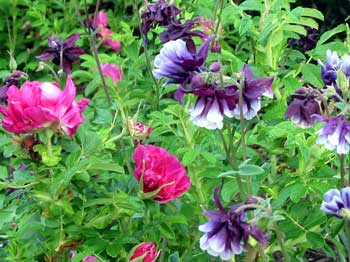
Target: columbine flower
x,y
178,64
66,50
104,31
144,252
252,91
307,42
337,203
329,71
303,106
227,233
183,31
112,71
335,134
345,65
43,105
212,104
159,13
160,174
11,80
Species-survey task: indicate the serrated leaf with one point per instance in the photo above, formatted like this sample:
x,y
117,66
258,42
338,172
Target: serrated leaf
x,y
312,75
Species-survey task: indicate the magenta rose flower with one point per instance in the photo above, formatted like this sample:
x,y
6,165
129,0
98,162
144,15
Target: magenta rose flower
x,y
43,105
160,174
145,252
112,71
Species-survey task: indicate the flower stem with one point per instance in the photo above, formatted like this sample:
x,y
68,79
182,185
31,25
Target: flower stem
x,y
280,240
48,144
241,117
232,162
162,253
148,61
218,15
343,181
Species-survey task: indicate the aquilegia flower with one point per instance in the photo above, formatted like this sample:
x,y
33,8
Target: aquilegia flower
x,y
178,64
65,50
212,104
160,14
307,42
345,65
112,71
159,173
227,232
335,134
144,252
252,91
329,71
303,106
43,105
337,203
104,32
11,80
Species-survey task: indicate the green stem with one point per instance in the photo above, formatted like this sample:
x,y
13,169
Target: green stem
x,y
218,22
344,182
232,162
162,252
49,145
280,240
199,187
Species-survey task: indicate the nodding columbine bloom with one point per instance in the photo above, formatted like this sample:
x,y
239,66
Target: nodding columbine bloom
x,y
337,203
66,50
227,233
335,134
178,64
212,104
252,91
11,80
329,71
307,42
345,65
183,31
303,106
112,71
160,14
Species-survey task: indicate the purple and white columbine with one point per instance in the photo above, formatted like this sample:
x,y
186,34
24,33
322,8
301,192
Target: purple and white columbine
x,y
252,91
335,134
329,71
337,203
303,106
178,64
213,103
226,234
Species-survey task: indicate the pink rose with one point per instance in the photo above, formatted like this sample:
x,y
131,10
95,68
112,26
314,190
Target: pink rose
x,y
104,32
146,251
89,259
160,172
42,105
112,71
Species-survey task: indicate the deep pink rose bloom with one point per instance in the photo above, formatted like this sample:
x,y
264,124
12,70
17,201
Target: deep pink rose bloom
x,y
104,32
147,250
89,259
112,71
160,171
43,105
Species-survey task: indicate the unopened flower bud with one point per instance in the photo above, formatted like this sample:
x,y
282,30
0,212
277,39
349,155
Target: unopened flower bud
x,y
215,67
197,81
216,47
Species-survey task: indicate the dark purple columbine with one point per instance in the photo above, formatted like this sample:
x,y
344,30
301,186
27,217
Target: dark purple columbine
x,y
252,91
183,31
337,203
227,233
159,13
11,80
303,106
178,64
329,71
58,50
307,42
335,134
213,103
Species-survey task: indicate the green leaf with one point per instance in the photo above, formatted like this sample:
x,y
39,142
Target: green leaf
x,y
297,192
49,159
312,75
327,35
250,170
295,28
99,164
174,257
166,231
315,239
311,12
189,157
